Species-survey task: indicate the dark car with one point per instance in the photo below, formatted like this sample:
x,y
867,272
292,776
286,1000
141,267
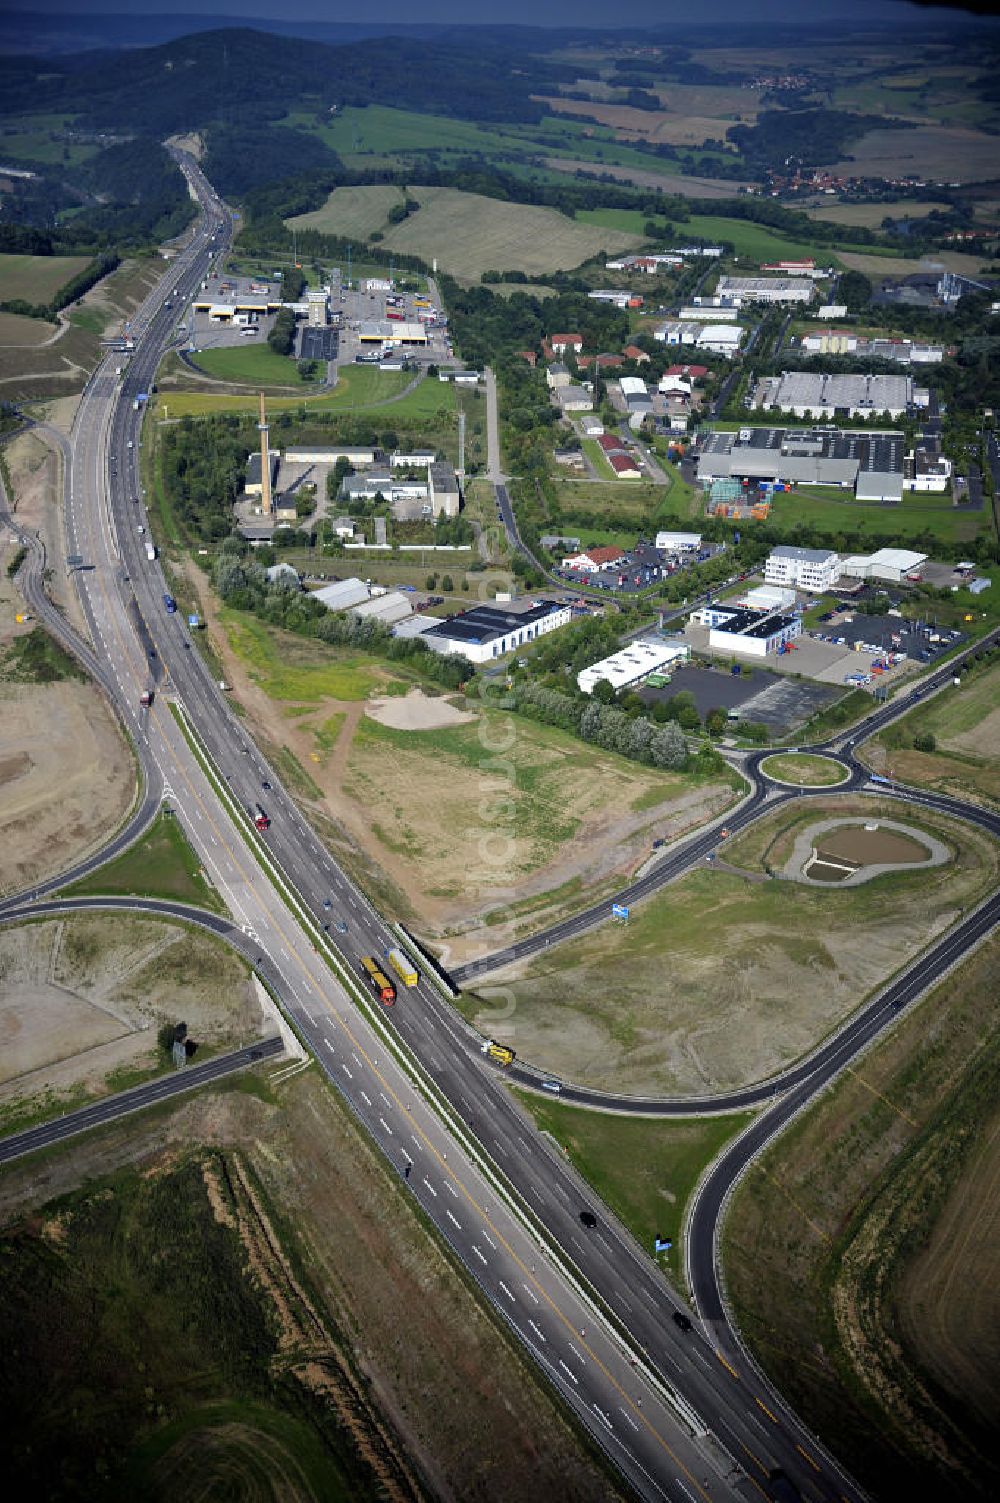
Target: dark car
x,y
589,1219
680,1319
265,784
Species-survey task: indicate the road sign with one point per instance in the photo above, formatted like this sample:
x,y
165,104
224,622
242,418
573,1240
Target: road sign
x,y
619,911
662,1244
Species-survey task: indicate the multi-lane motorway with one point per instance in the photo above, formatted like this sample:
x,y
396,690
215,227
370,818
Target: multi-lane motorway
x,y
681,1414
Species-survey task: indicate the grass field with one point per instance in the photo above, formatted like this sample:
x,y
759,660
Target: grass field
x,y
806,771
359,387
294,668
125,1280
935,152
160,865
837,511
470,234
862,1253
870,216
22,333
965,724
355,213
722,978
755,241
37,279
255,365
644,1170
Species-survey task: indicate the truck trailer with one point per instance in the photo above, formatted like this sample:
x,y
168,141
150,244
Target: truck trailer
x,y
500,1052
404,967
151,551
260,819
377,980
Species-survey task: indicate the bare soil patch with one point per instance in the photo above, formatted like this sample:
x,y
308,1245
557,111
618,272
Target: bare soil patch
x,y
37,477
82,998
416,712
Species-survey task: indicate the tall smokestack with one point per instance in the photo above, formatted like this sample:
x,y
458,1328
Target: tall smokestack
x,y
266,504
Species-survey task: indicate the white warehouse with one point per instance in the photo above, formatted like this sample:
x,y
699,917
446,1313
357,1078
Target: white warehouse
x,y
632,664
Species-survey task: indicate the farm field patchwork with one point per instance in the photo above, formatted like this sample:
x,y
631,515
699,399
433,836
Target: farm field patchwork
x,y
868,1237
937,152
355,213
726,976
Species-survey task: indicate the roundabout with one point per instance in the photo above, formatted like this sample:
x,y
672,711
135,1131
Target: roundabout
x,y
804,770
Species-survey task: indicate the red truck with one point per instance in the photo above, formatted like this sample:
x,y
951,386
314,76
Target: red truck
x,y
146,698
260,819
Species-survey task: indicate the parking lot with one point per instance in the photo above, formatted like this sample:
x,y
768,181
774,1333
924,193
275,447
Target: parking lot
x,y
888,634
641,567
780,703
319,344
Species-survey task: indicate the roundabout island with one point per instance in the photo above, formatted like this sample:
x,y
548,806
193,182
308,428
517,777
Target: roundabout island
x,y
804,770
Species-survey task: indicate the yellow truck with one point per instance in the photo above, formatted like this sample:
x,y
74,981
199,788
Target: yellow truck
x,y
500,1052
404,967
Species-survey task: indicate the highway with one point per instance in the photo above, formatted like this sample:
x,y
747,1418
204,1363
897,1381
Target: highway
x,y
674,1411
520,1254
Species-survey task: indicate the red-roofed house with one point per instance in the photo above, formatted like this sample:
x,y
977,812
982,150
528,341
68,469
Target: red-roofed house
x,y
694,371
594,560
624,466
563,342
603,362
611,444
633,352
530,356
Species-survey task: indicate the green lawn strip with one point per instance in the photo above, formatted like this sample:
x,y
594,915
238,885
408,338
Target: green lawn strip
x,y
836,717
161,864
251,365
835,512
281,664
644,1169
807,771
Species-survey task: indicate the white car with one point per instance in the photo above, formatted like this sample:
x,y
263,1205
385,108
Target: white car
x,y
140,529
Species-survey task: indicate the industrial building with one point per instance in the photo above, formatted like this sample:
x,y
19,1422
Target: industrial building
x,y
812,569
926,471
489,631
678,542
767,598
815,395
893,565
357,456
557,375
316,308
845,342
574,399
595,559
252,482
734,629
765,289
385,331
717,338
632,664
870,464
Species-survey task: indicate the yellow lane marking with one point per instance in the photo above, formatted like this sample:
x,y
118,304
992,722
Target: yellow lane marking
x,y
727,1364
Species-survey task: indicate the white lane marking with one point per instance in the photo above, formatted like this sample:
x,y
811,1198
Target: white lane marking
x,y
601,1415
356,1060
489,1239
537,1332
417,1141
431,1188
347,1072
366,1098
578,1355
684,1489
629,1418
385,1098
569,1372
451,1189
454,1220
384,1124
530,1292
506,1291
329,1046
501,1149
484,1261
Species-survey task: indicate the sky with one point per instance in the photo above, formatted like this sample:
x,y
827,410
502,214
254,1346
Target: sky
x,y
527,12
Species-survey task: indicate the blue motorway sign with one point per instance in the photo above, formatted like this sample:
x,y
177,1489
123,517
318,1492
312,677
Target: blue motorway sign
x,y
619,911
